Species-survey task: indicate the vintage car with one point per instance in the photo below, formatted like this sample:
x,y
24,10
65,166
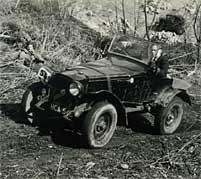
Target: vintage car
x,y
172,23
95,97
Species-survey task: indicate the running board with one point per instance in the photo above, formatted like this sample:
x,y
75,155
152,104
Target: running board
x,y
136,109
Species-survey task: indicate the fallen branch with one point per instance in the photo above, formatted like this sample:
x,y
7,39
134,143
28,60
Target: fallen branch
x,y
11,74
14,87
59,166
7,37
35,54
195,122
184,65
178,72
17,4
188,143
58,52
194,95
44,43
171,155
192,73
6,64
195,69
22,66
181,56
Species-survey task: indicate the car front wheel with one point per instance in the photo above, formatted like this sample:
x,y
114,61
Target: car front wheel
x,y
100,124
29,100
168,119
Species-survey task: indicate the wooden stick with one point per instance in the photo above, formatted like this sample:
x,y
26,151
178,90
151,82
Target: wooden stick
x,y
7,36
7,74
178,72
36,55
184,65
182,56
188,143
6,64
14,87
17,4
44,43
59,167
177,153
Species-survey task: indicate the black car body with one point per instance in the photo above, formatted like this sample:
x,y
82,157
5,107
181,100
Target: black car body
x,y
96,96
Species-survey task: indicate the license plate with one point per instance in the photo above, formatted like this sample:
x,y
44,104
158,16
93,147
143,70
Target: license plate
x,y
56,108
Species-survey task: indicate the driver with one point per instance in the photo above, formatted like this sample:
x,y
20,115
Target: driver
x,y
158,65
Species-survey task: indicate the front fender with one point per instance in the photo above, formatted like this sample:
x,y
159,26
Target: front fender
x,y
174,87
113,99
167,94
180,84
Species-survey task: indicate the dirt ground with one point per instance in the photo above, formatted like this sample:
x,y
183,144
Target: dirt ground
x,y
135,152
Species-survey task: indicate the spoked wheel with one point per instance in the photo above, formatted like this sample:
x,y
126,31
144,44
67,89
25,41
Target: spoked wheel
x,y
100,124
168,119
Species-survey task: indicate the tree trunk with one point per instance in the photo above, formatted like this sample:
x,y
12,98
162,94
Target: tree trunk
x,y
116,13
146,20
135,16
124,17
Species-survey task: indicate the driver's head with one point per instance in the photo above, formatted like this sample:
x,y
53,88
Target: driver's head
x,y
156,50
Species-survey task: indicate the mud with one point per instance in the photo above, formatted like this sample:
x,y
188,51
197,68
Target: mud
x,y
135,152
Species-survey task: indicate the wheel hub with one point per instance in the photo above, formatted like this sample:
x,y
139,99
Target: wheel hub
x,y
172,116
101,126
170,119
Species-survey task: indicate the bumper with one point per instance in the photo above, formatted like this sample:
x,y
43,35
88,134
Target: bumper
x,y
66,105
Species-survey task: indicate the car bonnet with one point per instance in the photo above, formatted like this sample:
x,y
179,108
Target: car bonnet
x,y
98,69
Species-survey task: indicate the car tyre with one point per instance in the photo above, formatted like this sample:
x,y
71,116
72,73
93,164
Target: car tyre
x,y
29,99
168,119
100,124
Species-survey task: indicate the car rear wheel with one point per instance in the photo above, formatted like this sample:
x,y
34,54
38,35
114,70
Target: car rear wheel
x,y
168,119
100,124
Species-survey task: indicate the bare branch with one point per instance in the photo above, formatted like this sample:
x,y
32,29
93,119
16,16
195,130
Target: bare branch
x,y
184,55
146,20
154,18
116,12
2,36
124,16
195,22
59,166
17,4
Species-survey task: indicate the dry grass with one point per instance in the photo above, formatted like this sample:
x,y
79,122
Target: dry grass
x,y
65,42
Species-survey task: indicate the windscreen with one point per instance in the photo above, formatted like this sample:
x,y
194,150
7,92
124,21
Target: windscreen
x,y
131,47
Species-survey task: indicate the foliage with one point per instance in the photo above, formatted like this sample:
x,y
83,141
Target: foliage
x,y
166,37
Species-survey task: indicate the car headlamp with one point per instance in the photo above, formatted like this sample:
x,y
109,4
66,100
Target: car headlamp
x,y
75,88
